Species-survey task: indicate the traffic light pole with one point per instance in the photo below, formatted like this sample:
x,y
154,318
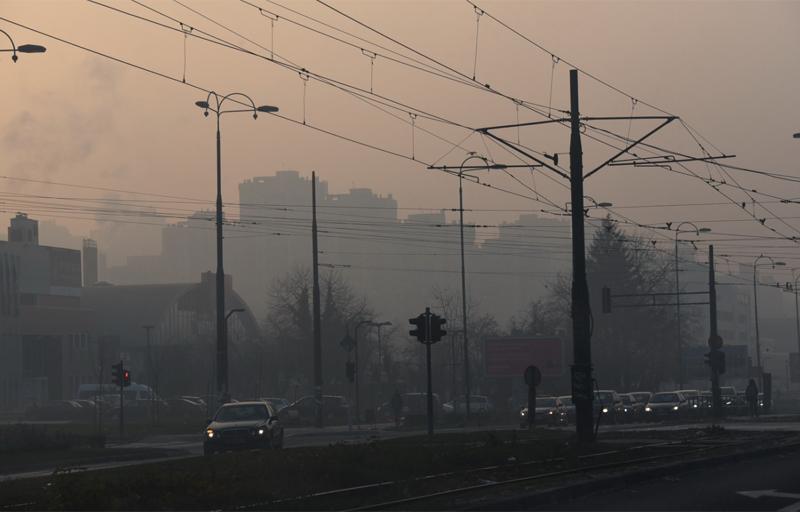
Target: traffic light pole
x,y
428,358
716,395
582,367
121,401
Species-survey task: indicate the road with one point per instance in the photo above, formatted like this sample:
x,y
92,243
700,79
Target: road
x,y
764,483
180,446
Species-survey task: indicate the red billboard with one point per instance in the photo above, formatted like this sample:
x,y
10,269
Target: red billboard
x,y
509,356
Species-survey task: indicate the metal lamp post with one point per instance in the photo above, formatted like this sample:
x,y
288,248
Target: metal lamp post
x,y
774,264
796,278
23,48
461,171
678,231
358,400
222,342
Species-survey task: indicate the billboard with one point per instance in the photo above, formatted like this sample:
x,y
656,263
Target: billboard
x,y
509,356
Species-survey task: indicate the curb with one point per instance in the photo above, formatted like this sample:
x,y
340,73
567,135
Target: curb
x,y
550,496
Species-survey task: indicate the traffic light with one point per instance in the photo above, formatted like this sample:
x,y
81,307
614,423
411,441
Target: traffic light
x,y
350,371
421,330
126,378
116,374
436,327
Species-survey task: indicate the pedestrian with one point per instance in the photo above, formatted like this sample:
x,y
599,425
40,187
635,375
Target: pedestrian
x,y
751,393
397,407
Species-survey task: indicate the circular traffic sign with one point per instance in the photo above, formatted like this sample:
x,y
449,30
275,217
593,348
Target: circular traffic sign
x,y
533,377
715,342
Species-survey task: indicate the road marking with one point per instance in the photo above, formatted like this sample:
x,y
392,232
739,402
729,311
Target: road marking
x,y
773,493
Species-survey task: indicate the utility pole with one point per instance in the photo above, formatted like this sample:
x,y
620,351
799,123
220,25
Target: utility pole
x,y
716,397
147,329
582,393
317,315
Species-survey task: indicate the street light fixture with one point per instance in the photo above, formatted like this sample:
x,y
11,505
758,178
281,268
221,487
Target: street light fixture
x,y
678,231
222,341
774,264
23,48
796,278
461,172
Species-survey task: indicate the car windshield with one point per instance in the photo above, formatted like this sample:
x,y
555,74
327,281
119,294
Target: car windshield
x,y
242,413
661,398
566,400
605,397
626,399
727,390
545,402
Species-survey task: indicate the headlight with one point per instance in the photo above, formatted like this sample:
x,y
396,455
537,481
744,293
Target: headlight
x,y
209,433
523,412
728,402
674,407
605,410
550,412
647,409
261,431
694,406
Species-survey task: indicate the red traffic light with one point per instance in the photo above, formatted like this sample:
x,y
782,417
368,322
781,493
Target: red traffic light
x,y
126,378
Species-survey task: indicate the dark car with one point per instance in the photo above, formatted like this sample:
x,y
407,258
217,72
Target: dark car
x,y
632,410
549,411
243,425
608,406
666,405
304,411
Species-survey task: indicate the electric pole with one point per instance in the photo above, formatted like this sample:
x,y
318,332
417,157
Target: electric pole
x,y
582,393
317,315
715,342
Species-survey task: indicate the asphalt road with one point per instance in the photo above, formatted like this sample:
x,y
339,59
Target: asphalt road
x,y
764,483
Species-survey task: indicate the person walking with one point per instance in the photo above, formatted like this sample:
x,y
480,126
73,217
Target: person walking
x,y
397,407
751,393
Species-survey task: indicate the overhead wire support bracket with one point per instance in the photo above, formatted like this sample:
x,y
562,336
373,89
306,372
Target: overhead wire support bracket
x,y
667,120
657,161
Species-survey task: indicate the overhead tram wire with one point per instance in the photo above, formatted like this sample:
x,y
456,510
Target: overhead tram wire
x,y
171,78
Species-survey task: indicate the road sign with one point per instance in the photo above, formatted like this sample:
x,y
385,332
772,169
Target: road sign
x,y
715,342
533,377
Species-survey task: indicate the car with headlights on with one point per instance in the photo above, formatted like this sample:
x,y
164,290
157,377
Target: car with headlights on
x,y
632,410
568,407
608,406
243,425
549,411
666,405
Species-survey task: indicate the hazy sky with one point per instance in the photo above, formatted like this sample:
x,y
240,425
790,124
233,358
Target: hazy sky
x,y
729,69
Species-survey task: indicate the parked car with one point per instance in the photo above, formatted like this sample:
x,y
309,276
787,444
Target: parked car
x,y
666,405
479,405
415,408
728,395
304,411
276,403
608,406
549,411
56,410
568,407
243,425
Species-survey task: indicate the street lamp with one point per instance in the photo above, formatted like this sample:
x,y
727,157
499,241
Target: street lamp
x,y
23,48
774,264
796,278
358,403
678,231
222,341
461,172
380,352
